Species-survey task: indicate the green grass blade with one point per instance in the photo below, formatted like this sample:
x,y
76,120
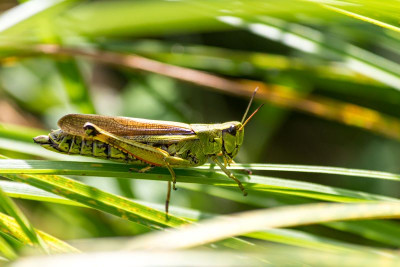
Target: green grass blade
x,y
23,12
385,232
9,206
311,41
252,182
283,236
75,86
313,169
7,250
20,133
307,240
251,221
368,19
270,256
10,226
98,199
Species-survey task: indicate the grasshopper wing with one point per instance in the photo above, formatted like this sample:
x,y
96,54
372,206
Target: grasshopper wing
x,y
141,130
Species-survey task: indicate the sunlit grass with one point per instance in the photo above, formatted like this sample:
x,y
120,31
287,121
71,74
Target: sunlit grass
x,y
336,61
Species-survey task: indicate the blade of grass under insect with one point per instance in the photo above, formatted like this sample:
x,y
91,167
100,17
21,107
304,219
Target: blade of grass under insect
x,y
255,183
283,236
313,169
237,196
12,228
360,195
106,202
9,206
250,221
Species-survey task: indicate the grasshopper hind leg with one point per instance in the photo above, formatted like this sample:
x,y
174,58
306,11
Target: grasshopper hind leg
x,y
161,158
171,171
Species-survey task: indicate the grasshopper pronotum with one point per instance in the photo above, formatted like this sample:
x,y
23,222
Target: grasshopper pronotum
x,y
155,143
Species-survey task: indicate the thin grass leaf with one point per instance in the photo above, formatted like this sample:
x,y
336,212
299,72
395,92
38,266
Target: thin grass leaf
x,y
306,240
312,169
260,200
6,250
75,86
273,255
312,41
10,227
98,199
20,133
9,206
385,232
251,182
290,237
368,19
23,12
25,191
250,221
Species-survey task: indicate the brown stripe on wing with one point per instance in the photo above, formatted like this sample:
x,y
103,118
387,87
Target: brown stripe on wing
x,y
123,126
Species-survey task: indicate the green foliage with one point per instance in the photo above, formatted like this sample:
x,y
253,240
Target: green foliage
x,y
336,61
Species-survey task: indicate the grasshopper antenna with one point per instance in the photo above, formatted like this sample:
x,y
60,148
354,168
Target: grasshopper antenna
x,y
248,119
248,107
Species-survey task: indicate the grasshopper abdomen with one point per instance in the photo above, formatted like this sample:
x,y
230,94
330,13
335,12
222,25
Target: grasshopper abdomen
x,y
61,142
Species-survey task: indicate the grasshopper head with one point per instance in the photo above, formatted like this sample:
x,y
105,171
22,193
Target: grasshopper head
x,y
233,133
232,136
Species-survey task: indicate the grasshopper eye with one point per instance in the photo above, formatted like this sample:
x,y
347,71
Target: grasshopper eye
x,y
232,130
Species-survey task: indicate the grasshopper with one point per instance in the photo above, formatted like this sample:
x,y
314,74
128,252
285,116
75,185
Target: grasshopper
x,y
155,143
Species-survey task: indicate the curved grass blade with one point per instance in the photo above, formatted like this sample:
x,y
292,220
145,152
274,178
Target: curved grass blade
x,y
283,236
106,202
9,206
385,232
270,256
246,222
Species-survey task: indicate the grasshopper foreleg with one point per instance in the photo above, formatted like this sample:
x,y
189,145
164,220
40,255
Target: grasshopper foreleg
x,y
230,175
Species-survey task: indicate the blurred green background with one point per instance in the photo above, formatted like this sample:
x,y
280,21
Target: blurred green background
x,y
328,73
